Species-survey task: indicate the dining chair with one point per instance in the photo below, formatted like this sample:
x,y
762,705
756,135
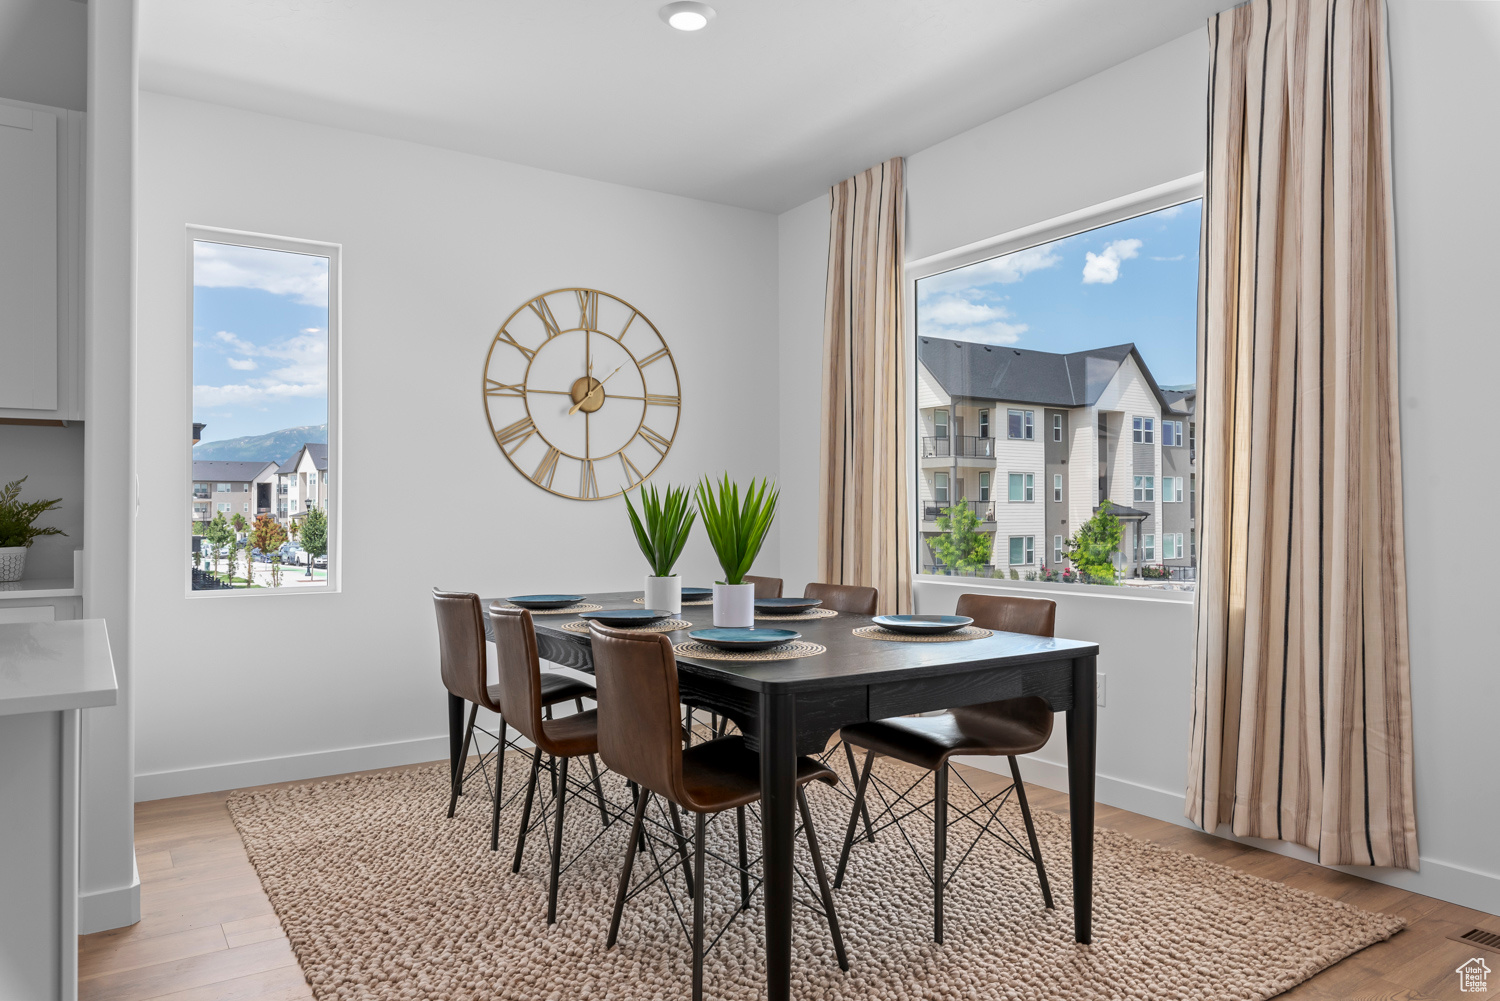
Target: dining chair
x,y
1009,727
639,738
575,736
765,587
461,655
849,598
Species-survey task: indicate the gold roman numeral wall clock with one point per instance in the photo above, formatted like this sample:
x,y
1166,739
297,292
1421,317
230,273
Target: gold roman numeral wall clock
x,y
582,393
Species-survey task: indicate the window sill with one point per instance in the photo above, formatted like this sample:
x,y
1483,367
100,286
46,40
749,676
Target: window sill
x,y
1119,592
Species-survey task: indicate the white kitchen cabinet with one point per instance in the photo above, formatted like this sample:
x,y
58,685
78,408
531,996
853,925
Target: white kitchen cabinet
x,y
41,255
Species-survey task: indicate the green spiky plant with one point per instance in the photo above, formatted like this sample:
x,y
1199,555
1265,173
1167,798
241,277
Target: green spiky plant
x,y
17,520
736,528
663,531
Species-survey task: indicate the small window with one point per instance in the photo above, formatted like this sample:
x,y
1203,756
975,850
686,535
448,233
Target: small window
x,y
1171,489
1148,547
984,423
1057,427
222,488
1015,424
940,423
1193,493
984,486
1057,486
939,489
1169,546
1150,430
1015,488
225,507
1145,488
1030,487
1192,436
1192,543
1057,549
1030,425
1137,428
1022,549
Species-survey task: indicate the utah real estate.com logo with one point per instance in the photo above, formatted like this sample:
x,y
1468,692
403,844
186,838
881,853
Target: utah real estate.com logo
x,y
1474,976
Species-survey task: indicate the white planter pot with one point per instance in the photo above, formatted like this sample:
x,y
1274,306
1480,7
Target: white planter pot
x,y
734,606
12,563
664,594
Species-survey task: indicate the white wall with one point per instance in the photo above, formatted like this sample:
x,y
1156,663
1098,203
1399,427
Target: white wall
x,y
438,248
1141,124
43,52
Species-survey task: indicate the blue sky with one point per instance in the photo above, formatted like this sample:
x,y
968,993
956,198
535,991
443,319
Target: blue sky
x,y
1132,281
260,340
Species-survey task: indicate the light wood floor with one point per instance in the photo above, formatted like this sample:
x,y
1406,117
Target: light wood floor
x,y
208,933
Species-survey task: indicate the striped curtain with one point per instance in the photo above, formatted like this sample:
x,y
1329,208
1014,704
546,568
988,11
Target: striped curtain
x,y
1302,707
863,534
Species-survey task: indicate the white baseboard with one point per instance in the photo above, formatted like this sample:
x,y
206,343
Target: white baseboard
x,y
240,774
117,907
1443,880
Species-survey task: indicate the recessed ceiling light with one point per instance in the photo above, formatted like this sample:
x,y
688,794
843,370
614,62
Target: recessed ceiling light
x,y
687,15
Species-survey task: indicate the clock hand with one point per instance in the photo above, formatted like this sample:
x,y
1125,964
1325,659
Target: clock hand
x,y
589,395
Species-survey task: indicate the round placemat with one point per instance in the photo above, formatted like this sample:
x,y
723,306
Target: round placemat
x,y
792,651
667,626
811,613
881,633
582,606
705,601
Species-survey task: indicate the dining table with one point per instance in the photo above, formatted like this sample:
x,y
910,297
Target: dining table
x,y
787,708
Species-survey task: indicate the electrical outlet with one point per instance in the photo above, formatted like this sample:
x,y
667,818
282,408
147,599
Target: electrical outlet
x,y
1099,687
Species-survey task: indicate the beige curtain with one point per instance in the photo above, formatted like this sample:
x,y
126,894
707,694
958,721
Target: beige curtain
x,y
863,535
1302,707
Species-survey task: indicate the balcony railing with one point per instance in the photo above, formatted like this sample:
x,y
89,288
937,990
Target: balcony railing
x,y
983,510
964,446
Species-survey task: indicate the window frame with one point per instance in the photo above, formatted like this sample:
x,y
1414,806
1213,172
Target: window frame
x,y
984,487
1143,489
984,423
332,502
1057,488
1057,427
1177,191
941,420
1028,550
940,485
1057,549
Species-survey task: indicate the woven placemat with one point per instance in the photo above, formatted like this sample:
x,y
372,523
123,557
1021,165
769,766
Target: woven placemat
x,y
666,626
792,651
705,601
881,633
811,613
582,606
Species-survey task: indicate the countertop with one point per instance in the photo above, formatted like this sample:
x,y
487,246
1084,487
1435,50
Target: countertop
x,y
51,666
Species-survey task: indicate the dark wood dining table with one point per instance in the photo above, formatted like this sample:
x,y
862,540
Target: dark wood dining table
x,y
790,707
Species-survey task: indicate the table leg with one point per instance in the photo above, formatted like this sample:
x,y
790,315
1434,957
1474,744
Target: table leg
x,y
1082,734
455,736
778,783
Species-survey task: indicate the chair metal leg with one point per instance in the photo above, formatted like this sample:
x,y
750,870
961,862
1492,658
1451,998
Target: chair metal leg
x,y
560,801
822,874
499,790
551,761
599,789
939,850
682,846
635,799
864,808
536,765
642,798
578,704
739,819
699,864
859,799
457,787
1036,848
688,730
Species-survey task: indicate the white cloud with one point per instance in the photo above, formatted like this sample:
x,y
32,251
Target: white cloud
x,y
956,317
1005,270
1104,268
1172,211
221,265
297,369
241,364
1176,258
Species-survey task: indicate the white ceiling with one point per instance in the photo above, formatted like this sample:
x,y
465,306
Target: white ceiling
x,y
765,108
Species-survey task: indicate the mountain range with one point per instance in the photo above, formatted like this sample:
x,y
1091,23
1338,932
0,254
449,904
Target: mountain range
x,y
277,446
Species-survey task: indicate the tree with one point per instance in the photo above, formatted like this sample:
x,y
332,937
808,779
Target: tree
x,y
218,534
962,546
239,523
268,536
234,552
295,528
314,535
1092,546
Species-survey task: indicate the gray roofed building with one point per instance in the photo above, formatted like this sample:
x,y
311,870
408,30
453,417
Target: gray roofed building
x,y
316,451
230,471
996,372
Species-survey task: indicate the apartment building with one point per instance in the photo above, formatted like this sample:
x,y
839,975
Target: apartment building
x,y
232,488
1035,442
302,482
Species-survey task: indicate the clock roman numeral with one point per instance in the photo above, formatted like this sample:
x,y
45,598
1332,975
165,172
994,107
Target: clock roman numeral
x,y
658,400
621,335
588,308
504,335
632,474
544,313
547,468
515,434
653,357
655,440
493,388
588,483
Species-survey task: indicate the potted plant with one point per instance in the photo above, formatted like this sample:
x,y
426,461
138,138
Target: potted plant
x,y
736,529
661,534
18,529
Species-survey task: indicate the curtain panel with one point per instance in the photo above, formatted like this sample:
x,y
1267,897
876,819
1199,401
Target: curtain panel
x,y
1301,707
864,531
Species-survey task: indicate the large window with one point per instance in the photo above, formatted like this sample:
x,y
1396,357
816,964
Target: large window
x,y
264,386
1079,342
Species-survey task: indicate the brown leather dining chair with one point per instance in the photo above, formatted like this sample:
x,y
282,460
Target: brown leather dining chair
x,y
849,598
575,736
1009,727
640,738
461,655
765,587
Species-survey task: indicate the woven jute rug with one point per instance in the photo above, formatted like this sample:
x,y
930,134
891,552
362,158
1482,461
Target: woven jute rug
x,y
383,897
